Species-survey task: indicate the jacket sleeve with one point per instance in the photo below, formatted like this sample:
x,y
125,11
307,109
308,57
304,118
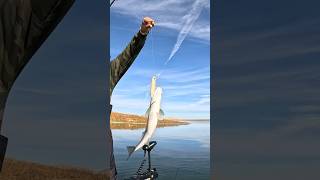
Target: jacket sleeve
x,y
123,61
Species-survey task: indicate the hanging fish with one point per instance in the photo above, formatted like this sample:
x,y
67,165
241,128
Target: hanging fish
x,y
154,113
153,85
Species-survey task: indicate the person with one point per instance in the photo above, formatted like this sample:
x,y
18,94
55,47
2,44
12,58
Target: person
x,y
118,67
24,26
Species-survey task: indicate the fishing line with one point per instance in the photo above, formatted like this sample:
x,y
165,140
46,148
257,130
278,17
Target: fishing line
x,y
165,64
154,57
152,47
153,54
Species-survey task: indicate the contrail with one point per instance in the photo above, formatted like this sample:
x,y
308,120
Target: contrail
x,y
188,24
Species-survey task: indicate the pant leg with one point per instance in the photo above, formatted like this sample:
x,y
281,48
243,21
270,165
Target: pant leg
x,y
111,164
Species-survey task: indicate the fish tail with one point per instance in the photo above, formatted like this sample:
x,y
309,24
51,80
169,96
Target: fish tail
x,y
130,150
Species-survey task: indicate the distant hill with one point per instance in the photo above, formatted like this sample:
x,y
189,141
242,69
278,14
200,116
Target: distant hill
x,y
21,170
131,121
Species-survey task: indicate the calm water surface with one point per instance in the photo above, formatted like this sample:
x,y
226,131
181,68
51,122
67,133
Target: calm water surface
x,y
182,152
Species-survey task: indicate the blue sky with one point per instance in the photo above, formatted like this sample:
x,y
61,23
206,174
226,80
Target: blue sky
x,y
185,79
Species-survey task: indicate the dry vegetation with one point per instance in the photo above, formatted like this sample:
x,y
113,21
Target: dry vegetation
x,y
20,170
130,121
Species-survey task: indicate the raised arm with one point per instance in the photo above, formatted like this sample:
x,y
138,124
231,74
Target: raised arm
x,y
123,61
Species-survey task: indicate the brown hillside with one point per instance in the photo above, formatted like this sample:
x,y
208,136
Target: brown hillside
x,y
20,170
130,121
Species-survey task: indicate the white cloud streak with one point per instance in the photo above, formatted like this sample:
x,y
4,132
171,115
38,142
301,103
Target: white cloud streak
x,y
185,90
189,21
169,14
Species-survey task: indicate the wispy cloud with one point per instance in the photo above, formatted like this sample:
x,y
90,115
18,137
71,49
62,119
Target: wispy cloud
x,y
189,20
175,75
186,93
186,76
169,14
186,86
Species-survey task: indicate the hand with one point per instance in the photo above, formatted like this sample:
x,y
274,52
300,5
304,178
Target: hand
x,y
146,25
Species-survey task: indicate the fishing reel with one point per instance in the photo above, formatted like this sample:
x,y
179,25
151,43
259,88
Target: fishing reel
x,y
150,174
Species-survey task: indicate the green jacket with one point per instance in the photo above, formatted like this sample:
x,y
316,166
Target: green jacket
x,y
118,67
123,61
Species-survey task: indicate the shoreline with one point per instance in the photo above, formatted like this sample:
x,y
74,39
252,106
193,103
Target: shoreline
x,y
132,121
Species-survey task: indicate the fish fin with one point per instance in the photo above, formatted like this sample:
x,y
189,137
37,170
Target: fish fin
x,y
130,150
147,112
161,115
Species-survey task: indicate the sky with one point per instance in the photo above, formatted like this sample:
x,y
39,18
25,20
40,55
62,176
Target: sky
x,y
266,85
185,78
56,111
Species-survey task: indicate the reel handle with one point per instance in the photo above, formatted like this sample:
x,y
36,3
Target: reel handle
x,y
149,147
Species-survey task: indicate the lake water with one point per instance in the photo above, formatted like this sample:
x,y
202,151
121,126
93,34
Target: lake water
x,y
182,152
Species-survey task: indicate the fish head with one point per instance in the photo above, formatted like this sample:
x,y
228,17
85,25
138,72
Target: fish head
x,y
154,78
153,85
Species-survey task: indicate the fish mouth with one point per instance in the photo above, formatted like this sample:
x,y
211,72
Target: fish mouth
x,y
156,76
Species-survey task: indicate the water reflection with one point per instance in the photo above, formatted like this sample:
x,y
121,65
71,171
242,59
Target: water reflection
x,y
182,152
133,126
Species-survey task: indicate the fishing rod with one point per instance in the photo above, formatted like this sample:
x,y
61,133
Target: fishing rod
x,y
112,2
151,173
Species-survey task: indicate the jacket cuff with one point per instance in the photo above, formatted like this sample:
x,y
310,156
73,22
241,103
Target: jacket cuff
x,y
143,34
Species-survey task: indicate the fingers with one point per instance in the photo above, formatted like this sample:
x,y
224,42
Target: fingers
x,y
152,23
148,22
149,26
146,25
147,19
